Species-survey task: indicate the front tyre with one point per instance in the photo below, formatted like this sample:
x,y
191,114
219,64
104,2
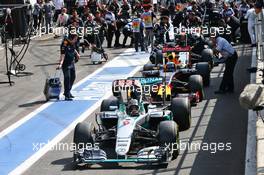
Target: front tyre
x,y
203,69
168,136
181,111
83,136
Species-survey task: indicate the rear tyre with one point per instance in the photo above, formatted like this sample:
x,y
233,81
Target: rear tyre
x,y
107,103
196,85
83,136
168,136
181,110
156,57
203,69
207,56
150,70
148,67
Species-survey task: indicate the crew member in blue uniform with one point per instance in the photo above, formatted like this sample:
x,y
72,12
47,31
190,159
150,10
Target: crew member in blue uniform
x,y
69,56
229,55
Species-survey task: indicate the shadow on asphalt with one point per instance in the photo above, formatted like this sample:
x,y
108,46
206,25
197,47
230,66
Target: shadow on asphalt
x,y
91,64
225,123
49,45
24,74
44,65
31,104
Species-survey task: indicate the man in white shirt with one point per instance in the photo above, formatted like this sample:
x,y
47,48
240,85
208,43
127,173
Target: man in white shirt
x,y
251,16
59,4
110,20
62,18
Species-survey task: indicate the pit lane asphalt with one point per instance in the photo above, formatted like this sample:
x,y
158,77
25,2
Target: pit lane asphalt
x,y
218,119
41,61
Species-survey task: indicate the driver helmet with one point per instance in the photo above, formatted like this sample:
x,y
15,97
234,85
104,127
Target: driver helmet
x,y
133,107
170,57
195,36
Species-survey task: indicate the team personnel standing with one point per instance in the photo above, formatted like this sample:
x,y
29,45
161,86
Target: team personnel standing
x,y
81,4
148,17
229,54
111,26
37,14
102,26
123,16
227,11
59,4
92,5
91,36
114,6
138,27
124,10
62,19
48,10
251,16
243,8
258,10
69,56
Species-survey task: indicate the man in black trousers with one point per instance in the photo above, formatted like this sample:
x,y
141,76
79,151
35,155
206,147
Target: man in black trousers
x,y
229,57
69,56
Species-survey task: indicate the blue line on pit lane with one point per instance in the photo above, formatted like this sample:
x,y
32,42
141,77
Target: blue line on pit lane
x,y
17,146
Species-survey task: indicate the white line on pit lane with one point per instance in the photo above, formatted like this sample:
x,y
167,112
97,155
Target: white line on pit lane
x,y
29,116
30,161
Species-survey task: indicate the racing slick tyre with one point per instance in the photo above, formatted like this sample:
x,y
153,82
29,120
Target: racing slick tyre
x,y
156,57
150,70
207,56
181,111
83,136
148,67
109,104
168,136
196,86
203,69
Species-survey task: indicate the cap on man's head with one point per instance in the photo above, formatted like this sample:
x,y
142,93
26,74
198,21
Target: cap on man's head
x,y
258,5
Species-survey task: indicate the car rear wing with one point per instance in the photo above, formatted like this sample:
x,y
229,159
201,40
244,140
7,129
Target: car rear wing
x,y
148,80
176,49
153,85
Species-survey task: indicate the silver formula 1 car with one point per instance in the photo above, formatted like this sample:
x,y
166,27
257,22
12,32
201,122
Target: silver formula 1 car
x,y
132,129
